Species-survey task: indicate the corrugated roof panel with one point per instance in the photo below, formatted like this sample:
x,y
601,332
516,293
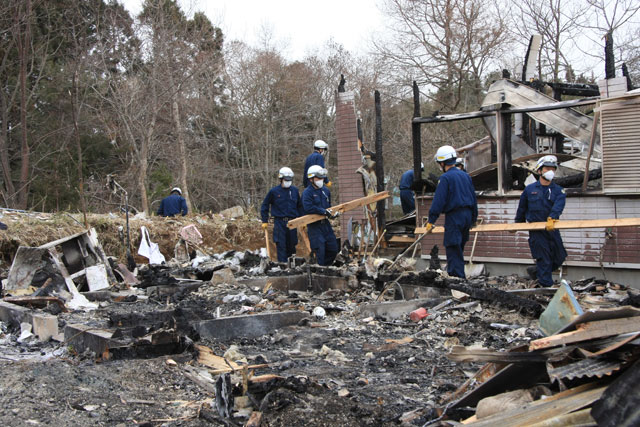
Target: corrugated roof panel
x,y
597,367
620,139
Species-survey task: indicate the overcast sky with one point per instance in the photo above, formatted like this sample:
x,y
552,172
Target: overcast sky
x,y
300,25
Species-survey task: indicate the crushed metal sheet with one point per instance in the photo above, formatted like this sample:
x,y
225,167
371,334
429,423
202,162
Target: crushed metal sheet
x,y
601,314
584,368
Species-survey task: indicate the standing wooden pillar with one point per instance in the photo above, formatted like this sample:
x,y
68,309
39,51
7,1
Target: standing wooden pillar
x,y
558,140
415,136
379,161
503,149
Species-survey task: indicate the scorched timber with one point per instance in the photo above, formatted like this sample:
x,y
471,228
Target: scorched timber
x,y
342,207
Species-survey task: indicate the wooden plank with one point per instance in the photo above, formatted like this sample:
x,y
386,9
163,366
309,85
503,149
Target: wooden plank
x,y
39,302
460,354
342,207
541,410
401,239
559,225
220,365
588,331
207,357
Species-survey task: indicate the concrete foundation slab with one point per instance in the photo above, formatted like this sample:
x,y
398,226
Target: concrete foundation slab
x,y
82,337
251,326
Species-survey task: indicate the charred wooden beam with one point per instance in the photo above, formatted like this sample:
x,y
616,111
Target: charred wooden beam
x,y
415,136
505,179
577,179
575,89
479,114
379,160
609,58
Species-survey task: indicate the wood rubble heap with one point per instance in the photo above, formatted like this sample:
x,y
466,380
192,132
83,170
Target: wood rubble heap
x,y
246,341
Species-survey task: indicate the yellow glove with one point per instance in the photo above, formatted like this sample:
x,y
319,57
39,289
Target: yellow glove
x,y
329,184
551,224
265,225
429,227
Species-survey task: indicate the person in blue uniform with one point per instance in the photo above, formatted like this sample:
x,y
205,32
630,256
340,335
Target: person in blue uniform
x,y
316,199
456,198
173,204
407,196
544,200
285,204
316,158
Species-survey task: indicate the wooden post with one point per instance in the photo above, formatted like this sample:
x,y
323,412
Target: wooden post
x,y
415,136
498,150
505,154
592,142
379,162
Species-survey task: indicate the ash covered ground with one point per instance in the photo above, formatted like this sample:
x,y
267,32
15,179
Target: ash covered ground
x,y
340,365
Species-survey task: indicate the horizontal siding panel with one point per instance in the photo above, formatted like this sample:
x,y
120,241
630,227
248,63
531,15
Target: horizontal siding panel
x,y
584,245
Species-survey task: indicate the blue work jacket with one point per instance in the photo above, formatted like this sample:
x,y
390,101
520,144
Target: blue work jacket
x,y
454,191
314,158
316,200
539,202
173,205
406,180
284,203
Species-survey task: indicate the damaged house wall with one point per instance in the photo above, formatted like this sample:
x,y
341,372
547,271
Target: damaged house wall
x,y
611,253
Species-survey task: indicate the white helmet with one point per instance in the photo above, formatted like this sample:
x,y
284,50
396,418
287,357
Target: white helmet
x,y
445,154
321,144
285,173
177,189
548,160
316,171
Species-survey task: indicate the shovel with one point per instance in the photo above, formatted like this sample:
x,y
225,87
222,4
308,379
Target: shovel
x,y
471,269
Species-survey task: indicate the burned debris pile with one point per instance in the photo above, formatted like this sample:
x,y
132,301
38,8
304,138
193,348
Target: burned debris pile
x,y
237,339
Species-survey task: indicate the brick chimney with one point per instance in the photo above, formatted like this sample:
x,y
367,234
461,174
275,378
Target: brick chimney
x,y
349,158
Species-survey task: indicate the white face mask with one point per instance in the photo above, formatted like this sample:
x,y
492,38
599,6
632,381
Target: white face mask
x,y
548,175
286,184
319,183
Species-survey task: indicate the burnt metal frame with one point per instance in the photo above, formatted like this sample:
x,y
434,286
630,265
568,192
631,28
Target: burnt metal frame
x,y
502,112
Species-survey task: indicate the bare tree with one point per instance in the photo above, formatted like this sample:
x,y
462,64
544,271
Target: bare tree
x,y
558,22
619,19
446,44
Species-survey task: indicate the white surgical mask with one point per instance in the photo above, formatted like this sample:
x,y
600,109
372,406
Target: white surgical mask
x,y
319,183
548,175
286,184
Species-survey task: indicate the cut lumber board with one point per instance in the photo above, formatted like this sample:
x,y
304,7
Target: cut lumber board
x,y
559,225
402,239
220,365
342,207
207,357
588,331
459,354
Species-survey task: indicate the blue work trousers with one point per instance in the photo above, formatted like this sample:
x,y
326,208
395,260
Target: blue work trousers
x,y
408,201
456,234
548,252
285,239
323,242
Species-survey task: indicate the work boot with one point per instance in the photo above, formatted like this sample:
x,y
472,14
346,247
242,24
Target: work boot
x,y
537,284
532,272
